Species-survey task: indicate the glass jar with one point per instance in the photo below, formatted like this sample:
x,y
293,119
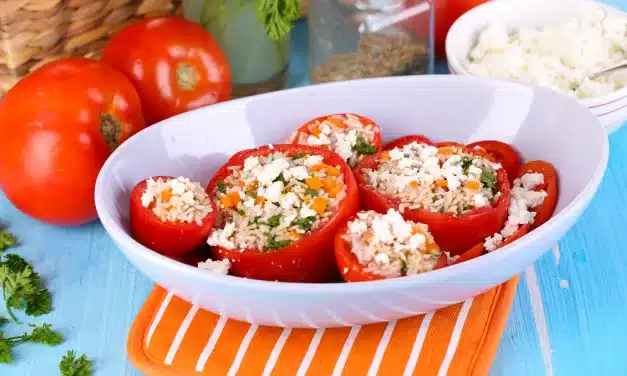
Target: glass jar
x,y
351,39
258,64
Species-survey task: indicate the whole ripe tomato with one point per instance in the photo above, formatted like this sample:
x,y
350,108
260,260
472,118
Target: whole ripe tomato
x,y
174,63
60,124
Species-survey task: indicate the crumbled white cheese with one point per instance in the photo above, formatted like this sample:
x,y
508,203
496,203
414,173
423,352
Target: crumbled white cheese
x,y
220,237
560,56
272,170
273,193
220,267
532,180
307,211
313,160
299,172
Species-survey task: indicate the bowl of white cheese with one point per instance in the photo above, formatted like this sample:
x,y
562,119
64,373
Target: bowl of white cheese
x,y
556,44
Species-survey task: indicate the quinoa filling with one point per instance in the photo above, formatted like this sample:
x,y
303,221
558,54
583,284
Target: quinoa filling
x,y
445,179
389,246
524,197
344,134
176,200
272,201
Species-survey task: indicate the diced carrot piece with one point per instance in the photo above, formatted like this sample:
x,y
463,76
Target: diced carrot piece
x,y
319,167
314,182
328,184
226,201
336,122
333,171
234,197
413,184
294,234
241,183
314,130
259,200
319,205
441,183
335,191
473,184
166,195
446,150
385,155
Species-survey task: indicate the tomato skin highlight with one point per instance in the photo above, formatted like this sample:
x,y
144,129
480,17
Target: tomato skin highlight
x,y
308,259
502,153
453,233
405,140
363,119
349,266
175,65
171,239
545,211
60,124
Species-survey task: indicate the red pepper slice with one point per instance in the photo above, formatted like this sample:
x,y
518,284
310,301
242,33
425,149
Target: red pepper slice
x,y
308,259
305,128
454,233
172,239
405,140
545,211
502,153
350,267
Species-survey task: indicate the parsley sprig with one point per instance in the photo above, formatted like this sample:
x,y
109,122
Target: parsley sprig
x,y
21,288
7,240
71,365
42,334
362,147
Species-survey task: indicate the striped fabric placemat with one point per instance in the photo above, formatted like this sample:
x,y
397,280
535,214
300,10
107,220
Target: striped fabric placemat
x,y
173,337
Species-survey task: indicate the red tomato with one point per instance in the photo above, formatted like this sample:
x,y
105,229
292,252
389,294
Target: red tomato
x,y
174,63
309,259
402,141
60,124
479,249
545,211
306,128
172,239
454,233
350,267
502,153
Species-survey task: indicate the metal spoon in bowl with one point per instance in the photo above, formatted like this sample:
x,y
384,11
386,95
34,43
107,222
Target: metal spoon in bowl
x,y
605,72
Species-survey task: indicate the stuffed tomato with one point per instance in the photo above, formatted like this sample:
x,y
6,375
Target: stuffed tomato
x,y
351,136
533,201
461,196
171,216
280,207
501,152
374,246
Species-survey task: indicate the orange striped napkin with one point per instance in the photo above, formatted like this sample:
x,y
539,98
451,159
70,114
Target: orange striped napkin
x,y
171,337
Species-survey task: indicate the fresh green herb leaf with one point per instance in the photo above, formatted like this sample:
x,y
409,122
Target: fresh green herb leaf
x,y
435,198
404,268
280,178
305,224
42,334
466,163
488,178
21,287
278,16
241,212
75,366
362,147
311,192
274,221
272,243
298,156
221,187
7,240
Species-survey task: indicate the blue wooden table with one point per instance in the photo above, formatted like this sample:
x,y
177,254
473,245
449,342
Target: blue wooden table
x,y
567,319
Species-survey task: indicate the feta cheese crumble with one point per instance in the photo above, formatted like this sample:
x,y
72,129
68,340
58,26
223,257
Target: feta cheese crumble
x,y
446,179
344,134
274,200
220,267
523,198
559,56
387,245
176,200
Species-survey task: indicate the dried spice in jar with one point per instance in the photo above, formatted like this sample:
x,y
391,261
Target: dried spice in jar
x,y
351,39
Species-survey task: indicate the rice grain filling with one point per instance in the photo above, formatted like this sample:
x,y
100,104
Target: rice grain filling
x,y
272,201
346,135
446,179
389,246
176,200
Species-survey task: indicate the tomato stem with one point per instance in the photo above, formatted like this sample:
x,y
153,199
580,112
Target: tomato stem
x,y
111,130
186,76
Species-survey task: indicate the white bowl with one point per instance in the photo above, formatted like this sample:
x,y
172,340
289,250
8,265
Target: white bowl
x,y
610,109
541,123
